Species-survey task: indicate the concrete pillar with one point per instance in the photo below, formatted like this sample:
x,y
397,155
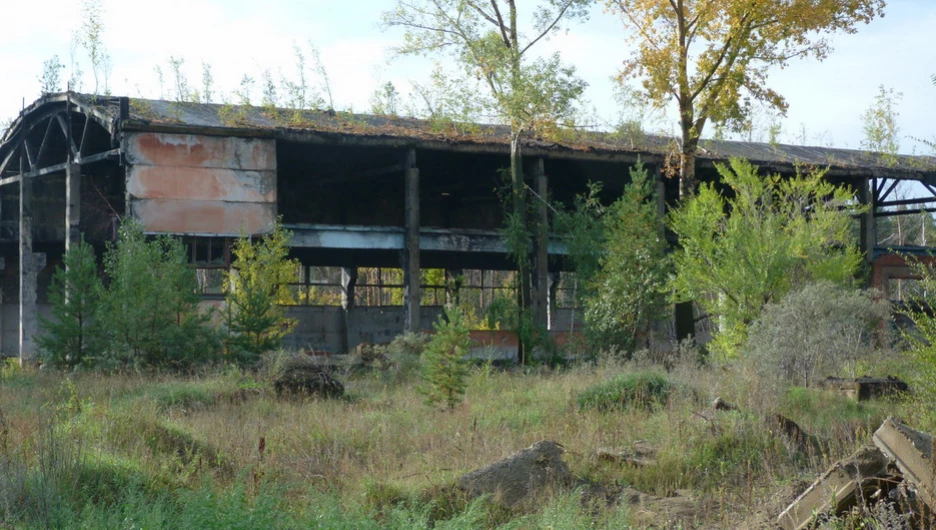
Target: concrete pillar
x,y
349,277
29,266
541,244
551,307
72,205
410,261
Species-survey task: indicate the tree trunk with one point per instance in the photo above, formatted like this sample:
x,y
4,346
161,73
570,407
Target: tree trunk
x,y
519,210
687,162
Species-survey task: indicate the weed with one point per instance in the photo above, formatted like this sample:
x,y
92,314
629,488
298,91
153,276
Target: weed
x,y
640,390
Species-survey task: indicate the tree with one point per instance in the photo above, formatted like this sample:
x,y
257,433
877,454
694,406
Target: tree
x,y
150,307
486,40
72,336
256,290
443,365
711,56
51,79
879,123
741,252
90,36
620,258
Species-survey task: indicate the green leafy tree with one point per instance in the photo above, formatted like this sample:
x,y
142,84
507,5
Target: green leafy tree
x,y
879,124
257,291
150,307
921,337
444,369
72,337
51,79
529,95
619,255
742,251
710,56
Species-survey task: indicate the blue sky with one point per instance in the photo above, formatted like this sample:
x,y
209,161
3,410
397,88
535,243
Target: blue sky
x,y
237,37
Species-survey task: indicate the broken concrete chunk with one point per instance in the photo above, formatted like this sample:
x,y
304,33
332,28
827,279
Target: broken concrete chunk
x,y
641,454
797,439
721,404
912,452
676,510
864,388
838,488
513,479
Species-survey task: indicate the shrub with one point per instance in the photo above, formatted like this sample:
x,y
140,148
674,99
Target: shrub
x,y
73,335
821,328
150,306
444,370
256,290
640,389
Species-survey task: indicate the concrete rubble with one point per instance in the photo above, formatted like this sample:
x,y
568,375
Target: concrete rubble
x,y
521,475
865,388
899,460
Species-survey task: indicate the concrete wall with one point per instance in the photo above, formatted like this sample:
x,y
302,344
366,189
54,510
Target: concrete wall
x,y
9,327
193,184
381,324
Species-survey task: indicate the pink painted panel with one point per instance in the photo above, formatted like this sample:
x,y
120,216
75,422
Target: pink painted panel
x,y
196,183
190,150
203,217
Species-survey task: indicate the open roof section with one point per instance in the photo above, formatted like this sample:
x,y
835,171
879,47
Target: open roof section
x,y
328,127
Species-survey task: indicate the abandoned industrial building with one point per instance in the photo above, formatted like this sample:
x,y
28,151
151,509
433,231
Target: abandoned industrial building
x,y
386,195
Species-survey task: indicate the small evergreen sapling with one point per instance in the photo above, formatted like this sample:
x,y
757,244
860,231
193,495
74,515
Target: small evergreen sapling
x,y
73,335
444,369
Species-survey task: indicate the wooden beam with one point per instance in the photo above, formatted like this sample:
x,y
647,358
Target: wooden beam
x,y
891,213
30,161
881,196
84,136
45,139
906,202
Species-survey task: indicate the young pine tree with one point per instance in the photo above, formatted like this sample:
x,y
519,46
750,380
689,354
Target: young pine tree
x,y
443,365
72,336
256,290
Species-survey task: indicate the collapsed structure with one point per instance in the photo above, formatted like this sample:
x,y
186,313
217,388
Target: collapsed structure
x,y
358,191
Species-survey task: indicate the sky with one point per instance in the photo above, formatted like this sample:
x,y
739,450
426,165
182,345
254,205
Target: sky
x,y
237,37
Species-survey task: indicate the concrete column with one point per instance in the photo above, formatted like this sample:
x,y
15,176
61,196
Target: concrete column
x,y
541,257
411,279
29,266
72,205
551,307
349,277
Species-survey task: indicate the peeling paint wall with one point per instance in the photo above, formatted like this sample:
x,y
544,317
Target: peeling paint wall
x,y
194,184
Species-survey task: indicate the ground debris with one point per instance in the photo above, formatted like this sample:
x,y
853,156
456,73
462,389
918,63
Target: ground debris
x,y
521,475
305,378
894,477
639,455
865,388
679,510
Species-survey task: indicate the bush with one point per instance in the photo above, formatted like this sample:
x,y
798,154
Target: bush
x,y
73,335
150,306
640,389
822,328
444,369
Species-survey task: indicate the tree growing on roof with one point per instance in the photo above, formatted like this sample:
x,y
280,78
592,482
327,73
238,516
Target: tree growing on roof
x,y
490,45
711,56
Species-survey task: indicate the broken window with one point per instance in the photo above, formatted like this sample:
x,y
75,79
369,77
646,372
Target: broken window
x,y
317,286
211,257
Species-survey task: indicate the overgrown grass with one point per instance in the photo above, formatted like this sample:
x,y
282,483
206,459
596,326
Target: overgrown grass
x,y
156,451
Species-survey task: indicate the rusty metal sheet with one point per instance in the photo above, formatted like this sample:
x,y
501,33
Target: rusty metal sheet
x,y
191,150
204,217
206,184
912,451
835,490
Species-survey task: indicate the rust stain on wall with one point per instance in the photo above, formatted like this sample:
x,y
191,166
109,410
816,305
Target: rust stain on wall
x,y
208,184
190,150
187,184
